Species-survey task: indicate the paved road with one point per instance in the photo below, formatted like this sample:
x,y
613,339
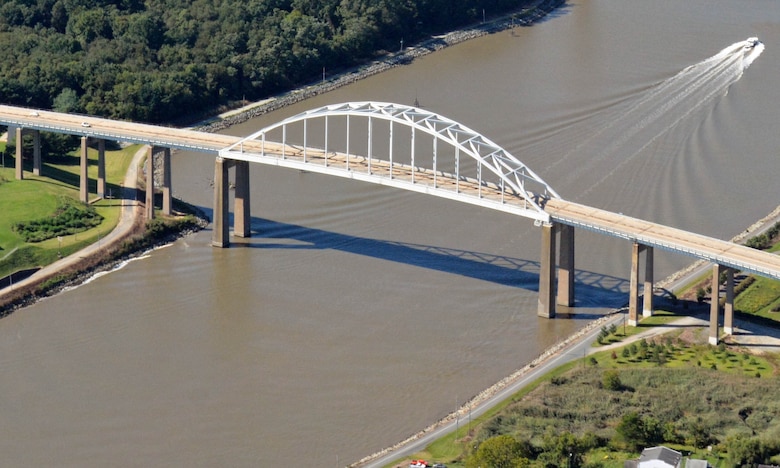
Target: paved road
x,y
578,348
756,338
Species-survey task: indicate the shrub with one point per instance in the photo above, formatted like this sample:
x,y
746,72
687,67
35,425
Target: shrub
x,y
700,295
631,431
69,218
611,380
500,451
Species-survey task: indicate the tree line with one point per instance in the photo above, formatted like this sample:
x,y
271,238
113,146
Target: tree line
x,y
156,60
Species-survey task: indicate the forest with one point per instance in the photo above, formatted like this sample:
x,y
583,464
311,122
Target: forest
x,y
159,60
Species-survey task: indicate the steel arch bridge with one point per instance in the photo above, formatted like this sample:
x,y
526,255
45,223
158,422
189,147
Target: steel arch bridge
x,y
486,175
467,167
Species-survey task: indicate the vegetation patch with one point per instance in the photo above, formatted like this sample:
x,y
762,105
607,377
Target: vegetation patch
x,y
609,406
759,298
155,233
70,217
148,61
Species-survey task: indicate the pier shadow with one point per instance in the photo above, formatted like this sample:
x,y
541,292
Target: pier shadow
x,y
592,290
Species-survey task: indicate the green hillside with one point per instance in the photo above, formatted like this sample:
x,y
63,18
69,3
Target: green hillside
x,y
155,60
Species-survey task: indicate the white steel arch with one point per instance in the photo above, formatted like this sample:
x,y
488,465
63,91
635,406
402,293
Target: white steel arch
x,y
501,181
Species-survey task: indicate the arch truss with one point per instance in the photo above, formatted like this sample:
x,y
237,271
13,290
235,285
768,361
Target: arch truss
x,y
401,146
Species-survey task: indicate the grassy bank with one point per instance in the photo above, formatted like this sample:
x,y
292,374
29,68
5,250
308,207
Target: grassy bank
x,y
41,197
38,197
687,395
706,402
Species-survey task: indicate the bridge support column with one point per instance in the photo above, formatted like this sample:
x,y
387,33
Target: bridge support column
x,y
714,304
221,233
566,270
728,307
150,184
101,175
19,153
546,306
633,294
83,176
36,152
242,217
647,290
167,197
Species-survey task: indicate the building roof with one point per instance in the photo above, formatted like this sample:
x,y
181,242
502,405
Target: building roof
x,y
664,454
695,463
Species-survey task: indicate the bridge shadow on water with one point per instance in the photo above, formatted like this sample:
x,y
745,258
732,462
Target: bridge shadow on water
x,y
592,290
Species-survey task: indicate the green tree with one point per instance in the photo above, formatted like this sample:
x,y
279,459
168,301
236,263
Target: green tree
x,y
503,451
563,449
744,450
630,431
66,101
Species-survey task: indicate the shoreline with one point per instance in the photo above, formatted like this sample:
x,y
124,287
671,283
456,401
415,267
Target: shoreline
x,y
82,264
676,278
530,13
240,115
126,241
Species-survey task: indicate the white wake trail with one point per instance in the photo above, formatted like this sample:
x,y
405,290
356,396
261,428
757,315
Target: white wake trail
x,y
636,124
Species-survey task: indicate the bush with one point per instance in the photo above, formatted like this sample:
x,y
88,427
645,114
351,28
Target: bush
x,y
611,380
501,451
700,295
69,218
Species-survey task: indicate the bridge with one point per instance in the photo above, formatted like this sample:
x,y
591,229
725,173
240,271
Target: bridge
x,y
411,149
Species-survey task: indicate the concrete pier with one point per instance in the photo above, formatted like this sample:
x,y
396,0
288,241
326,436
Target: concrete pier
x,y
633,293
150,184
647,290
728,306
167,196
19,153
242,217
36,152
546,306
242,214
221,232
557,243
83,176
566,266
101,177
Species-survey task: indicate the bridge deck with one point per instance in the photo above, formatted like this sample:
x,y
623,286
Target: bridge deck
x,y
665,237
114,130
652,234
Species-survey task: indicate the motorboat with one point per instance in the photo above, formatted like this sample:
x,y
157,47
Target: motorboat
x,y
751,42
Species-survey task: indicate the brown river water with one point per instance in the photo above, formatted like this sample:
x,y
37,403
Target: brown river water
x,y
358,314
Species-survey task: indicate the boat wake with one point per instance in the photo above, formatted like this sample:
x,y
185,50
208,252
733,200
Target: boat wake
x,y
634,126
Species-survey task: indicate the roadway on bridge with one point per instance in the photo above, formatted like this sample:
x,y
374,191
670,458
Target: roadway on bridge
x,y
602,221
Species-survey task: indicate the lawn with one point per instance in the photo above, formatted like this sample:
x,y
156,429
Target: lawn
x,y
36,197
760,299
